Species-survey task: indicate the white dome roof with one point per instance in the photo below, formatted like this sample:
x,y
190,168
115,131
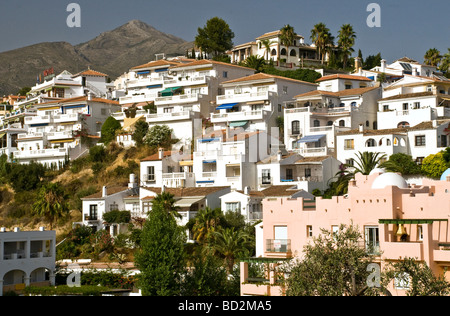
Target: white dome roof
x,y
376,170
388,179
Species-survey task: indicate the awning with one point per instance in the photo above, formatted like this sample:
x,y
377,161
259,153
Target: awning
x,y
169,91
208,140
62,141
238,124
209,161
186,163
143,72
311,138
226,106
187,202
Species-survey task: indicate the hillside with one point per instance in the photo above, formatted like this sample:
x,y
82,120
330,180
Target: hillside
x,y
112,52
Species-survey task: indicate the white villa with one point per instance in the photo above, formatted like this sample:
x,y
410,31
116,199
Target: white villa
x,y
53,133
255,102
26,258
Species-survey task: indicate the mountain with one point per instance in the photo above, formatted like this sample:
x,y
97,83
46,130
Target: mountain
x,y
112,52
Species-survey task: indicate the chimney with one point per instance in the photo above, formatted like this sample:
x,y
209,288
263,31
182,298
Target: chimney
x,y
89,96
361,128
247,190
105,191
132,183
161,153
383,65
279,155
358,64
434,123
3,230
414,72
42,229
16,229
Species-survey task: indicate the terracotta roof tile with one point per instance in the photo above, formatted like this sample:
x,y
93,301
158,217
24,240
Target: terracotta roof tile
x,y
343,76
90,72
189,192
408,95
157,63
264,76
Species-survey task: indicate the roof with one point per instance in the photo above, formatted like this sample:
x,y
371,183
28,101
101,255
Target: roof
x,y
273,34
343,76
90,72
408,95
186,192
157,63
312,159
204,62
342,93
80,99
155,156
110,191
280,190
264,76
274,158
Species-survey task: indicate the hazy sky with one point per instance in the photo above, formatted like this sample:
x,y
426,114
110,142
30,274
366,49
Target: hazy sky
x,y
408,27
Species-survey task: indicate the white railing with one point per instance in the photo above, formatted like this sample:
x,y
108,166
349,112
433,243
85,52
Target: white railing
x,y
177,175
234,116
319,151
182,98
30,135
59,135
148,97
244,97
66,117
40,153
168,116
182,81
209,174
38,119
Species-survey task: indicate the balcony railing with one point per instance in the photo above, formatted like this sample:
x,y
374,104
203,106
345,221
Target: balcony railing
x,y
244,97
278,245
237,116
182,98
168,116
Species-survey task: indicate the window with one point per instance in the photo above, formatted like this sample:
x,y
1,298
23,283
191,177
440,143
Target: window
x,y
385,108
341,123
295,127
309,231
285,89
405,106
371,239
349,144
419,232
233,207
316,123
289,175
401,281
420,140
93,212
225,74
416,105
349,162
168,110
419,160
307,172
283,52
371,143
402,125
103,112
444,141
151,173
114,207
266,176
59,92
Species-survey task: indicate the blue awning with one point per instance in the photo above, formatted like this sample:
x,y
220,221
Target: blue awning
x,y
208,140
209,161
226,106
311,138
143,72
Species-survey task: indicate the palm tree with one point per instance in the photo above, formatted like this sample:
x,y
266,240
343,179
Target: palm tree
x,y
365,163
266,44
205,223
432,57
322,38
51,203
231,244
255,62
287,37
167,202
346,41
445,62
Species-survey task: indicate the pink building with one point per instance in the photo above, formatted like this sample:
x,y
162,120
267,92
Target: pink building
x,y
378,204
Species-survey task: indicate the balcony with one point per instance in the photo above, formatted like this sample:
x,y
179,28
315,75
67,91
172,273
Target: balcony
x,y
278,246
144,82
163,117
45,119
244,97
32,154
59,135
64,118
182,98
30,135
185,81
138,98
237,116
312,152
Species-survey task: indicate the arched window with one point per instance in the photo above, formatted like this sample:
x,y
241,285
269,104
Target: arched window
x,y
273,52
342,123
316,123
371,143
283,52
293,53
329,123
295,127
402,124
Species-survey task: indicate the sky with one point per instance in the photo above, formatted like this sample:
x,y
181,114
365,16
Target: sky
x,y
407,27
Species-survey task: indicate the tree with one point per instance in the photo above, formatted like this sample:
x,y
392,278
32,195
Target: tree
x,y
322,38
346,41
418,276
255,62
266,44
161,257
159,136
140,130
51,203
432,57
215,37
205,223
167,201
401,163
231,244
445,62
367,161
334,264
25,177
287,37
109,129
434,165
372,61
